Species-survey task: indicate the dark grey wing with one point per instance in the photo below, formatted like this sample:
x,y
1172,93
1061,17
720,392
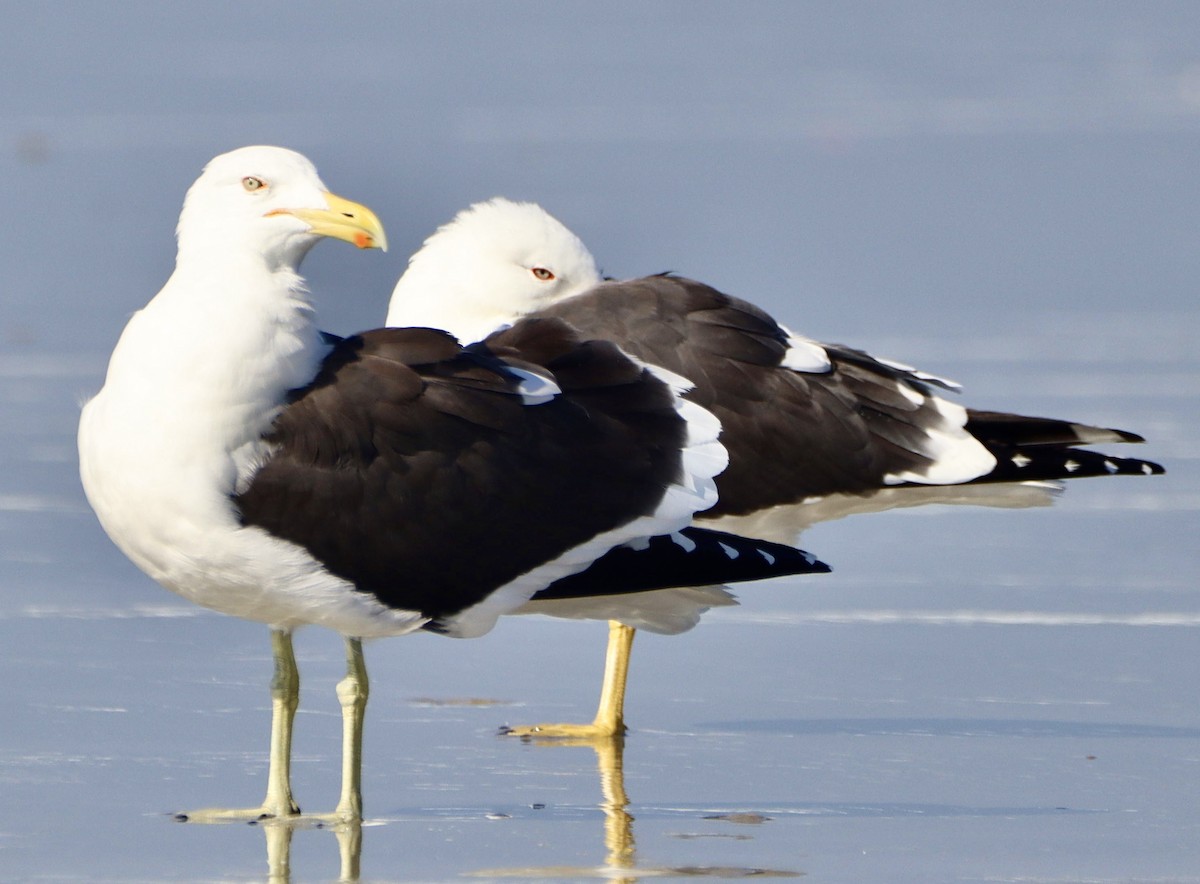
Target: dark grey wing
x,y
790,434
403,429
853,426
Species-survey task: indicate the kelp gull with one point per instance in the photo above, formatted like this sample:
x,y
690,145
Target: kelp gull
x,y
386,482
802,420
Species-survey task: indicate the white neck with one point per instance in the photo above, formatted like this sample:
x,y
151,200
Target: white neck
x,y
467,320
425,297
213,356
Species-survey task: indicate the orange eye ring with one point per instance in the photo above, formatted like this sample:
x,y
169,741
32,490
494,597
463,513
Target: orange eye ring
x,y
542,273
251,183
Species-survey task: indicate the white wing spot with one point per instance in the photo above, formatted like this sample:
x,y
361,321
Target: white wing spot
x,y
534,388
1071,466
770,559
729,550
680,540
806,356
913,396
1020,460
1110,466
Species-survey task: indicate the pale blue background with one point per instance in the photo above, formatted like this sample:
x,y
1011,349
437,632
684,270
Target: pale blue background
x,y
1005,193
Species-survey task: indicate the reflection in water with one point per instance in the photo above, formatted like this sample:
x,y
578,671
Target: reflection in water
x,y
279,852
278,834
620,854
618,824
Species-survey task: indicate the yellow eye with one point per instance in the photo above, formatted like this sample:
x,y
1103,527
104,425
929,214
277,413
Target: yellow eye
x,y
542,273
252,184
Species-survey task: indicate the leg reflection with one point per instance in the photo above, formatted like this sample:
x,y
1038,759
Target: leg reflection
x,y
279,852
278,834
349,837
618,823
619,846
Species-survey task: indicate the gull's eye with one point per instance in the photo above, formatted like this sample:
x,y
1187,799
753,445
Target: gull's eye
x,y
542,273
252,184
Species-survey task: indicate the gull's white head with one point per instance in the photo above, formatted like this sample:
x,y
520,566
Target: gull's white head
x,y
270,201
495,262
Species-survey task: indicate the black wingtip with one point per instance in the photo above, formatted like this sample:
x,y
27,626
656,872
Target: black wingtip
x,y
819,567
691,557
1127,436
1026,464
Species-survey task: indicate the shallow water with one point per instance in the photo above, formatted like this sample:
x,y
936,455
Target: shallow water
x,y
973,695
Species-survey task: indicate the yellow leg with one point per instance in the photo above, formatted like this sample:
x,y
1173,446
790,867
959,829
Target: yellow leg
x,y
285,697
610,716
